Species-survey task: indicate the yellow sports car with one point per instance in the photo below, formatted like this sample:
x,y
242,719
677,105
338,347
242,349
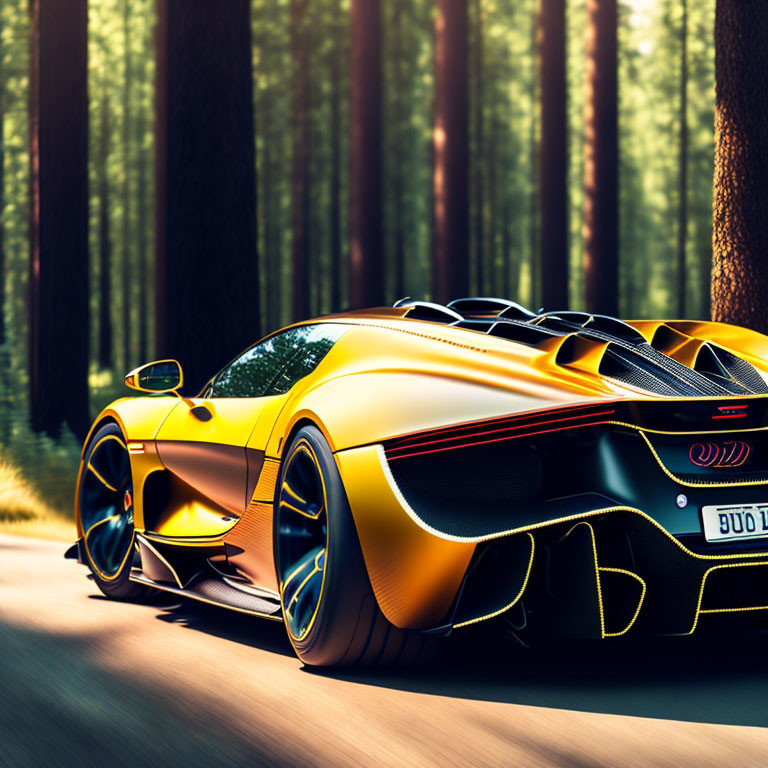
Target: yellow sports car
x,y
379,477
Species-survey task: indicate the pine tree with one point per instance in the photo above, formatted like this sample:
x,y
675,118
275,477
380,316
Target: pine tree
x,y
740,238
601,160
554,159
451,153
58,279
207,296
366,266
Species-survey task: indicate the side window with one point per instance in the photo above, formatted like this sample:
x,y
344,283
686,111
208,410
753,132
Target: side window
x,y
311,346
275,365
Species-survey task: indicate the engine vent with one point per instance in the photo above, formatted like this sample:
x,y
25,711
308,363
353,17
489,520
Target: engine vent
x,y
635,371
626,357
727,369
531,335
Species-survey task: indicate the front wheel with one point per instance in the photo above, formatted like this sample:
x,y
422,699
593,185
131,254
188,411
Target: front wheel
x,y
329,608
105,510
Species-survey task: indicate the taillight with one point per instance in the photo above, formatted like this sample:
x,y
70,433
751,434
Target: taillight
x,y
496,430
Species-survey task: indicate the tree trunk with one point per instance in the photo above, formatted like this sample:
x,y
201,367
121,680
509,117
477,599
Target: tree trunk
x,y
533,199
399,162
2,191
492,160
335,190
554,155
510,273
142,214
740,225
601,160
127,278
58,281
300,174
270,183
366,264
273,219
477,160
450,137
141,226
105,244
207,274
682,221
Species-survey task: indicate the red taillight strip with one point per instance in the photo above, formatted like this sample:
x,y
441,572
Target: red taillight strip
x,y
421,443
406,439
494,440
740,407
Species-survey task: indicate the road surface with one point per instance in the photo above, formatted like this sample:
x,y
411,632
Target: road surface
x,y
85,681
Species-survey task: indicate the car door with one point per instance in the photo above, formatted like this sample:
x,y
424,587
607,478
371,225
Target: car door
x,y
209,454
215,444
204,441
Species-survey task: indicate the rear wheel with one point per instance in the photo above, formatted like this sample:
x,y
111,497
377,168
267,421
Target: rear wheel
x,y
105,508
330,612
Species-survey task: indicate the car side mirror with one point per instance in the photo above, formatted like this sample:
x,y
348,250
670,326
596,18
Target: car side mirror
x,y
160,376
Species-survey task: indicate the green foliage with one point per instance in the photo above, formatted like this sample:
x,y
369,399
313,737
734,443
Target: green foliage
x,y
50,466
120,89
504,142
408,82
649,103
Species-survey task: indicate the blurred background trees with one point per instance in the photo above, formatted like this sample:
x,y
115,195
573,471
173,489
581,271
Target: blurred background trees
x,y
550,151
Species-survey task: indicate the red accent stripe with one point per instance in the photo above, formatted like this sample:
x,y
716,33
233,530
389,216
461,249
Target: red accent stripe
x,y
731,407
490,422
495,440
731,416
420,443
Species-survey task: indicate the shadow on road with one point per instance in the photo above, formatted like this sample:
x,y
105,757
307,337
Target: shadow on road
x,y
715,677
58,708
720,677
228,625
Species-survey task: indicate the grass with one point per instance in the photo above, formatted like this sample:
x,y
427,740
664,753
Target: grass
x,y
24,512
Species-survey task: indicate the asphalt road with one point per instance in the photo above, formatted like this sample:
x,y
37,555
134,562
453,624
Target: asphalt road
x,y
85,681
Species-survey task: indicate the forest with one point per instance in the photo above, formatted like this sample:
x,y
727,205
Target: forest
x,y
180,177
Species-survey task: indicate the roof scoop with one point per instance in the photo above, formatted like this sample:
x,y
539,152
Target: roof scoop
x,y
491,307
426,310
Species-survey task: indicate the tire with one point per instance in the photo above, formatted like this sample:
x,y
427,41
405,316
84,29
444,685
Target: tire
x,y
105,512
331,614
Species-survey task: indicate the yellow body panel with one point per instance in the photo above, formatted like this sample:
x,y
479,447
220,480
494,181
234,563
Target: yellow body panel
x,y
231,422
415,575
140,418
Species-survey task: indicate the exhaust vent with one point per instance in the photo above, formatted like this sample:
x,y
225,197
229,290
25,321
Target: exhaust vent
x,y
631,369
530,335
666,339
728,370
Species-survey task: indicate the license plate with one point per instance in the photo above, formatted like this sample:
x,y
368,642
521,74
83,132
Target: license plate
x,y
736,521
